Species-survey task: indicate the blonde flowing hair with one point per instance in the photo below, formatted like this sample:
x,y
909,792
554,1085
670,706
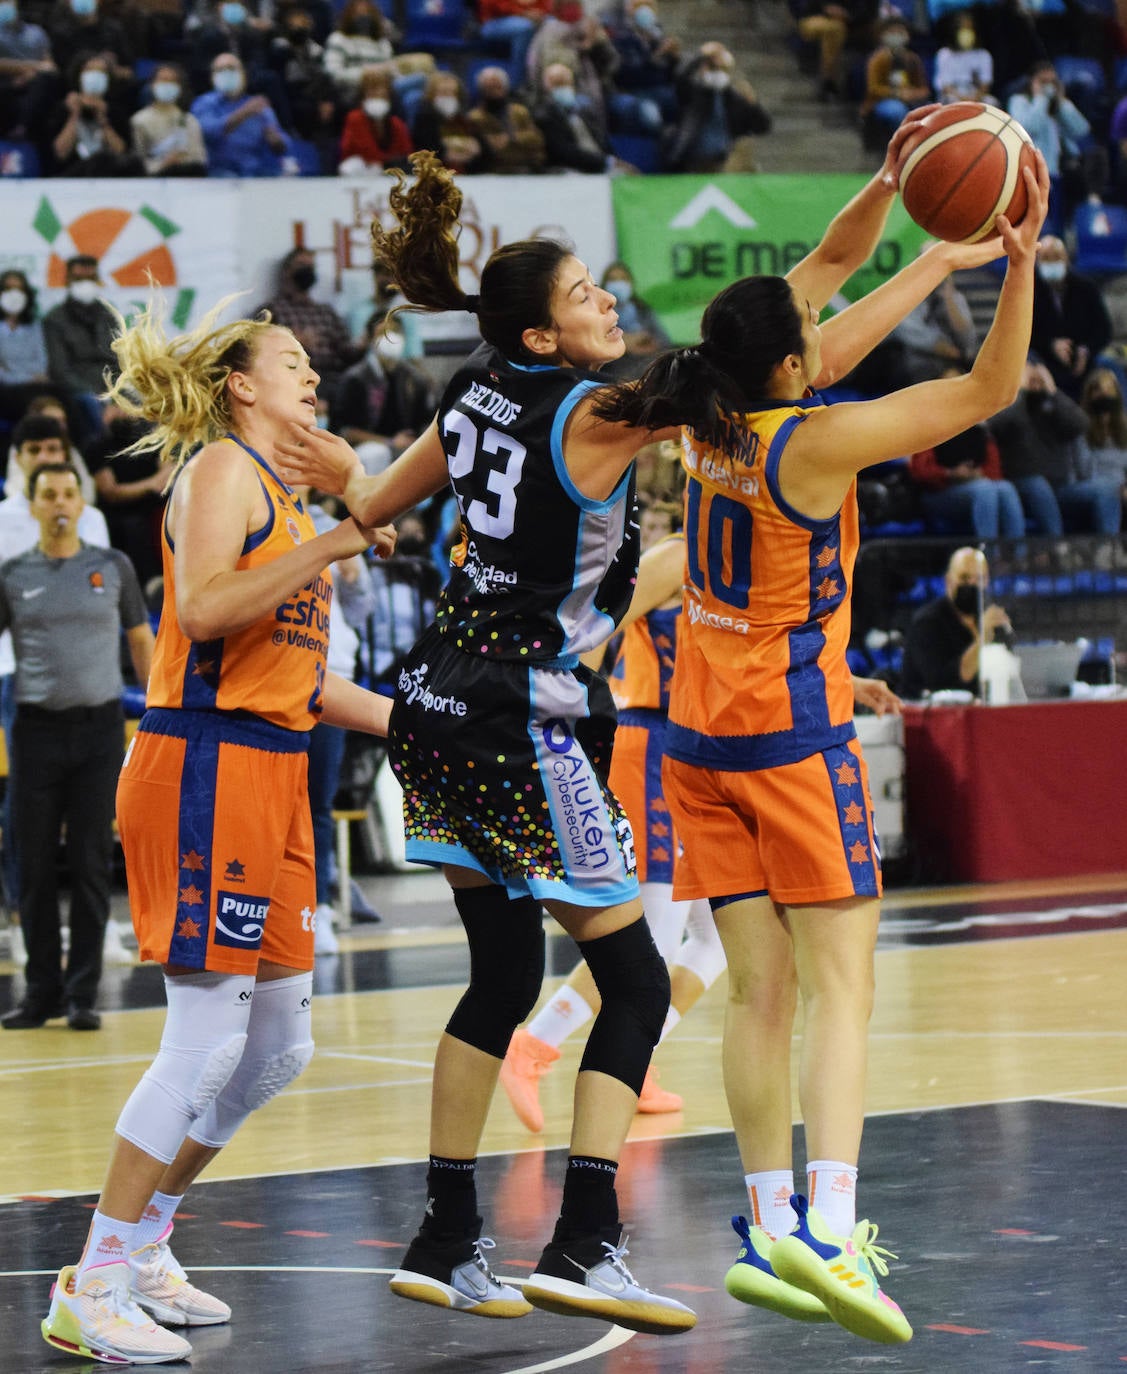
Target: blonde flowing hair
x,y
179,383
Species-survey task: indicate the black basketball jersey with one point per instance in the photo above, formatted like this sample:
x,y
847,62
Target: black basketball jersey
x,y
543,573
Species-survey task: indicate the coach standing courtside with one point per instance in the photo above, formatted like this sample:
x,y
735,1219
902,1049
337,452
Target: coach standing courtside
x,y
66,604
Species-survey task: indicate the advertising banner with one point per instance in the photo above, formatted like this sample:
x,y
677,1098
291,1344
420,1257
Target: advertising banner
x,y
203,240
686,237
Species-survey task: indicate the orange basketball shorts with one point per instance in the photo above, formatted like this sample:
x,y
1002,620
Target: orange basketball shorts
x,y
635,779
213,813
802,832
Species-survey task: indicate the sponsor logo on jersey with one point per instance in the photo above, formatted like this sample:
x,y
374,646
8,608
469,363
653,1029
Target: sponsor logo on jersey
x,y
307,617
697,615
486,577
239,919
415,692
580,815
485,401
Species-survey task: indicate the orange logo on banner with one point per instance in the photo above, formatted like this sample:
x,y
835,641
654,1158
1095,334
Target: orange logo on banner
x,y
96,232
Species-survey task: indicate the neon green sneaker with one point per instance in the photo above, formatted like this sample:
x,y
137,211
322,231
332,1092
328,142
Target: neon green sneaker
x,y
752,1280
842,1273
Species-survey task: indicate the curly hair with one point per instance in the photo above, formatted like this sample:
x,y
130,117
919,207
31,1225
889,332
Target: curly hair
x,y
179,384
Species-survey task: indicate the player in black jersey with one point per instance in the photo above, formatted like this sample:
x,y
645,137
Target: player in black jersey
x,y
501,740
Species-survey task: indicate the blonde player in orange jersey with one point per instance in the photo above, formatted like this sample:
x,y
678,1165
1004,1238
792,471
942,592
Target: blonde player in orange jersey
x,y
212,806
763,773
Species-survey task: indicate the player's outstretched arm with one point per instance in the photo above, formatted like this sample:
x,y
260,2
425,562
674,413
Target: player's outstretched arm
x,y
854,232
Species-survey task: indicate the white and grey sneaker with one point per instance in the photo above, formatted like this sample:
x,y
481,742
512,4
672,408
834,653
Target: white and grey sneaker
x,y
589,1278
456,1275
162,1288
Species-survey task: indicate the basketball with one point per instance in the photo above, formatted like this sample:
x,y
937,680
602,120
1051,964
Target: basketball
x,y
962,168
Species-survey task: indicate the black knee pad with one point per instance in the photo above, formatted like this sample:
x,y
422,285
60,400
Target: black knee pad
x,y
633,983
506,940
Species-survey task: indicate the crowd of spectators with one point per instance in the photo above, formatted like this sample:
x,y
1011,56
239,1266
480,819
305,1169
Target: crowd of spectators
x,y
284,87
1059,67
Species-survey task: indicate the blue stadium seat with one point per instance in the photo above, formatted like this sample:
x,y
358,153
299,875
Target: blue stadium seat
x,y
436,24
1101,238
18,159
307,157
641,152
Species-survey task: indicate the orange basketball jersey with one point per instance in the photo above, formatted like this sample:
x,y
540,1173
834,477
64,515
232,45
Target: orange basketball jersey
x,y
761,677
643,670
274,668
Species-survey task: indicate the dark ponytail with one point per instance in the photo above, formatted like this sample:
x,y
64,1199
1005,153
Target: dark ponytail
x,y
747,330
421,256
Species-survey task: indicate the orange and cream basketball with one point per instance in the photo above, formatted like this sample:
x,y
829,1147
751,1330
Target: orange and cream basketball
x,y
963,168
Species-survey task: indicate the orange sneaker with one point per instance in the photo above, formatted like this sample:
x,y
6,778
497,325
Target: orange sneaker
x,y
521,1069
654,1099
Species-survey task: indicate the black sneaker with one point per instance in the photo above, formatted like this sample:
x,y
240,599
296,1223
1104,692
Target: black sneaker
x,y
455,1274
83,1018
28,1017
588,1277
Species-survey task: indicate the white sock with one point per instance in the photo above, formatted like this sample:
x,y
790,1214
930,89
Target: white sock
x,y
672,1020
109,1242
832,1188
156,1218
566,1013
769,1196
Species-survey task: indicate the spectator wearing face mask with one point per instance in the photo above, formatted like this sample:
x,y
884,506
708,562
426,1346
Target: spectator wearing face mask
x,y
1071,324
167,139
572,139
237,28
241,131
942,644
1040,439
29,80
315,325
648,57
84,28
582,44
310,90
384,296
895,82
718,108
92,139
361,39
23,352
384,401
79,333
1106,439
373,138
1077,165
642,331
510,140
964,69
442,125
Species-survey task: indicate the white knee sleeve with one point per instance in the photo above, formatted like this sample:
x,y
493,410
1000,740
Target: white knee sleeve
x,y
665,917
279,1046
702,953
205,1031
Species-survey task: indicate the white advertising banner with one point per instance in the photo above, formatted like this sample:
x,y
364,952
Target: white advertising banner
x,y
203,240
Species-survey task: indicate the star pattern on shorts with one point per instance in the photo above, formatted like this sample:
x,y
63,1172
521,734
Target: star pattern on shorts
x,y
192,862
853,814
858,853
191,895
188,929
826,588
846,774
826,558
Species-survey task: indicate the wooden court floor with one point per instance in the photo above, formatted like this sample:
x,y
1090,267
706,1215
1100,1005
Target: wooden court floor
x,y
995,1160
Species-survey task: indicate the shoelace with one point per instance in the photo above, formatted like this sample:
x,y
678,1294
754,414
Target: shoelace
x,y
864,1237
119,1305
615,1255
484,1243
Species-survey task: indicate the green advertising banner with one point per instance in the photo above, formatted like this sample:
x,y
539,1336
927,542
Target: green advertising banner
x,y
686,237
